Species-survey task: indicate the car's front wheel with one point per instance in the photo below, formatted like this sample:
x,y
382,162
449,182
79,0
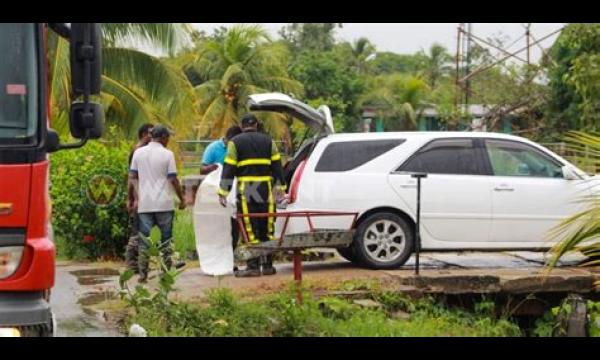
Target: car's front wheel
x,y
383,241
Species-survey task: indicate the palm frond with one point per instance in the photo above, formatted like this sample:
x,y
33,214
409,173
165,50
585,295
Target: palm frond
x,y
160,83
168,37
134,108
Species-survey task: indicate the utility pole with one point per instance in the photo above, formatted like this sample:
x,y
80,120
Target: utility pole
x,y
527,38
458,88
468,67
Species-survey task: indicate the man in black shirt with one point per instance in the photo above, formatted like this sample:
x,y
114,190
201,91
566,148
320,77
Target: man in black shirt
x,y
131,251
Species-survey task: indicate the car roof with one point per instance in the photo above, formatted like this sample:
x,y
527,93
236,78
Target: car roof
x,y
423,135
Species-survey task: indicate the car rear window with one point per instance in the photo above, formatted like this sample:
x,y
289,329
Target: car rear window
x,y
348,155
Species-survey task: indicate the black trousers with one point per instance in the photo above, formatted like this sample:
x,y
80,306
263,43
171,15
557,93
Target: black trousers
x,y
257,197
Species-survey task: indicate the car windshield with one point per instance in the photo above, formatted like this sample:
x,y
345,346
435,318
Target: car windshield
x,y
18,84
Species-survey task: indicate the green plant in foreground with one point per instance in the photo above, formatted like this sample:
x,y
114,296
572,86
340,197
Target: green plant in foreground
x,y
225,314
141,297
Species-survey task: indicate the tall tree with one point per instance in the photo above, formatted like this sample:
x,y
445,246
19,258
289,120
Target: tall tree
x,y
245,62
310,36
574,79
435,63
396,98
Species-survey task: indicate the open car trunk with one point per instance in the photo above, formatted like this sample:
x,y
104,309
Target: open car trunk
x,y
318,120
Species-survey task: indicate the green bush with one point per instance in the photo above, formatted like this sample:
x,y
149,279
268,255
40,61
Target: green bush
x,y
88,187
280,315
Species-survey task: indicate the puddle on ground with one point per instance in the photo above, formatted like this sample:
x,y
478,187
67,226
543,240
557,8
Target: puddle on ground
x,y
96,272
92,280
94,276
95,298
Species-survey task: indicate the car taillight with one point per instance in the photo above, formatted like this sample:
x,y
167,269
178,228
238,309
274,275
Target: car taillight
x,y
10,258
296,182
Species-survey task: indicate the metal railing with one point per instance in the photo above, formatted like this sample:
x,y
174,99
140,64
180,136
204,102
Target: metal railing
x,y
192,151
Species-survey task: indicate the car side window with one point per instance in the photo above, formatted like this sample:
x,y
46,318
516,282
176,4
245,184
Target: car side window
x,y
509,158
445,156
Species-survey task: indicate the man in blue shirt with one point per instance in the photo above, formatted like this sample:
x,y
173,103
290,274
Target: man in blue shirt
x,y
215,152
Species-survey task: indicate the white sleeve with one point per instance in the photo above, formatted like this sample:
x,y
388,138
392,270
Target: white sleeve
x,y
134,163
172,166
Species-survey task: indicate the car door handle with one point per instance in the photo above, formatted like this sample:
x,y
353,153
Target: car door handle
x,y
503,188
409,185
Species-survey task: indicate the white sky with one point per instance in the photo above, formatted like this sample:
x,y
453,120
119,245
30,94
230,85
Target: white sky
x,y
408,38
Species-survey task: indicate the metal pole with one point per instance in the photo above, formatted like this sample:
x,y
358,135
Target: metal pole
x,y
298,274
418,176
456,81
468,69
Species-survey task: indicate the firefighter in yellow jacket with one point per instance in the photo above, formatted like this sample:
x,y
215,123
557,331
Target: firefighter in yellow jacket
x,y
253,158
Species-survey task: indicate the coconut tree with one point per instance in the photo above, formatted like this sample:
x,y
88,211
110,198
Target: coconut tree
x,y
362,50
396,99
136,86
245,62
435,63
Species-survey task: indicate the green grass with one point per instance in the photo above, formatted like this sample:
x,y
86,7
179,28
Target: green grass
x,y
224,314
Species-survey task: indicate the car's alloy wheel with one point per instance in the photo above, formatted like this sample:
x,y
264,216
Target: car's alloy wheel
x,y
383,241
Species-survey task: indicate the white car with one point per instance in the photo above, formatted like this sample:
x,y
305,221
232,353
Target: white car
x,y
484,191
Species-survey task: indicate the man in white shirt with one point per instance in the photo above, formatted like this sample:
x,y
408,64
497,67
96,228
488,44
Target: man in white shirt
x,y
154,178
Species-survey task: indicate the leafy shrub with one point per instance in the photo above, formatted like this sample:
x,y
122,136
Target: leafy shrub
x,y
280,315
88,187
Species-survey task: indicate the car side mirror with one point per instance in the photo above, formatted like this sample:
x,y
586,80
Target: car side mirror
x,y
569,173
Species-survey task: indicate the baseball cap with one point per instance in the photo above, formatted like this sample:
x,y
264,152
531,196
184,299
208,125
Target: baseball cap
x,y
161,131
249,120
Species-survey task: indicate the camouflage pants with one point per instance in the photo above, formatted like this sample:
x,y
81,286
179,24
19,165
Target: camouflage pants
x,y
132,248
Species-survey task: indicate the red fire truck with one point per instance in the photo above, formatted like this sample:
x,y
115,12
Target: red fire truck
x,y
26,247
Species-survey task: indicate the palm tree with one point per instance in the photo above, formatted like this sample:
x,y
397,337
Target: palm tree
x,y
435,64
396,98
136,87
362,50
245,62
581,232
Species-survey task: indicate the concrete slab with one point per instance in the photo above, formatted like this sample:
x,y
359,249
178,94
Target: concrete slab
x,y
508,281
479,260
571,259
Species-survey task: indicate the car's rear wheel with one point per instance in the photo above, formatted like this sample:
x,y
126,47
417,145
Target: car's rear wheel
x,y
383,241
